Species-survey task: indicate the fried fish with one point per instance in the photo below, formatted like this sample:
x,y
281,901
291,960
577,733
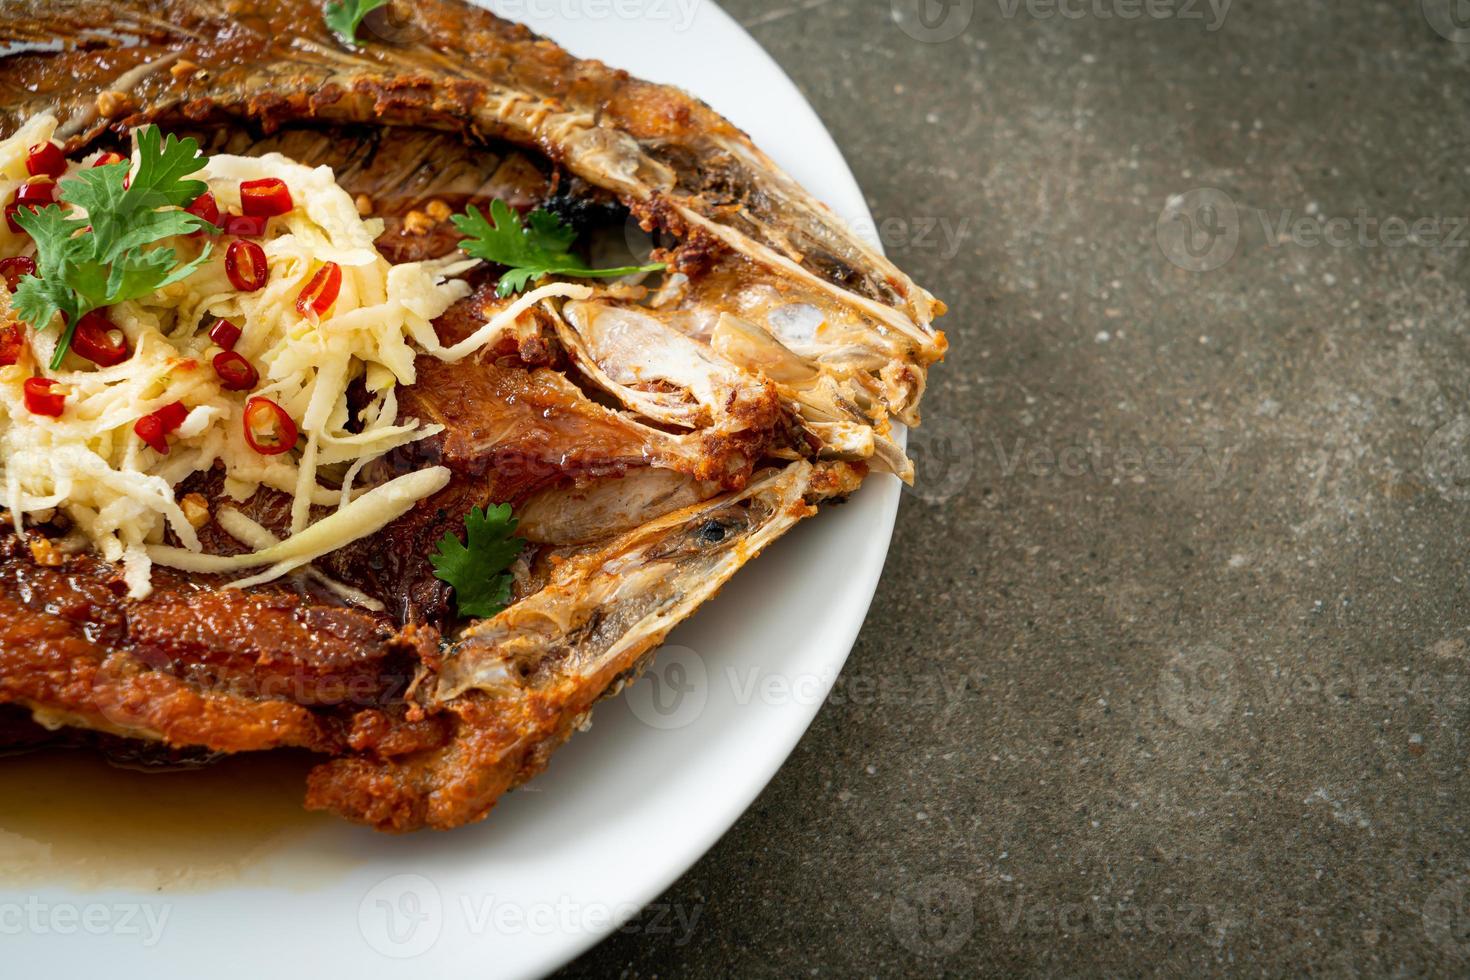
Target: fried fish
x,y
652,435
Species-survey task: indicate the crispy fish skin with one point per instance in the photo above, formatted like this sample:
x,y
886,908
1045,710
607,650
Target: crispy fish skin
x,y
517,685
785,345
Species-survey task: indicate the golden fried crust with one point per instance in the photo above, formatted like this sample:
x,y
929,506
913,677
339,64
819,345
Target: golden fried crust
x,y
193,666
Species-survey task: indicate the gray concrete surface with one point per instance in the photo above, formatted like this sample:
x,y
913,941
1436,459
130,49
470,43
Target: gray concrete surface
x,y
1169,668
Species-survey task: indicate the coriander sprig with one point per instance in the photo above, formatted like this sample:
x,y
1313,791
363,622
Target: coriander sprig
x,y
84,264
539,247
477,567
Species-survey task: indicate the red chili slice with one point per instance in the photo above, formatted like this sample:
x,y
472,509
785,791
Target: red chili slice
x,y
268,428
12,344
45,159
204,206
36,192
225,333
154,427
235,373
99,340
13,268
41,400
321,292
245,265
266,197
244,225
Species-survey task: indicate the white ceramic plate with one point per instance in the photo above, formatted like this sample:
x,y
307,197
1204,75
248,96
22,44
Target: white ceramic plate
x,y
624,809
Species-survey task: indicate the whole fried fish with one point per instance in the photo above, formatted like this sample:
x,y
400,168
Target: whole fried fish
x,y
652,437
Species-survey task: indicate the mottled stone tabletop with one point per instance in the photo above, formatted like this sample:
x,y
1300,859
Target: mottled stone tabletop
x,y
1169,667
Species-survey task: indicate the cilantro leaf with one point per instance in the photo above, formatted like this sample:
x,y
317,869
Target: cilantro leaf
x,y
548,231
477,569
539,247
84,265
39,300
344,16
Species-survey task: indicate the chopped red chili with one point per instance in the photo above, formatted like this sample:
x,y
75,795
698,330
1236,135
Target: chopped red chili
x,y
41,399
225,333
99,340
13,268
36,192
321,292
245,265
45,159
268,429
266,197
235,373
154,427
205,206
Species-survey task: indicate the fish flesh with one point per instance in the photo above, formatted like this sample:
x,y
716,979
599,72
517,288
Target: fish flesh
x,y
652,436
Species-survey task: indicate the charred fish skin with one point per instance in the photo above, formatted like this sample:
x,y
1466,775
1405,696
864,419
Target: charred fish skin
x,y
781,350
